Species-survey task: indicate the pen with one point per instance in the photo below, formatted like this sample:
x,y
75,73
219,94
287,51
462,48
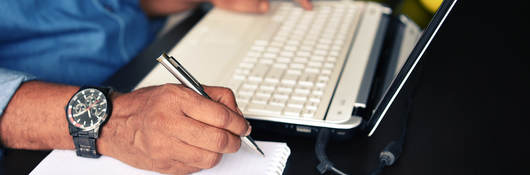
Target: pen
x,y
173,66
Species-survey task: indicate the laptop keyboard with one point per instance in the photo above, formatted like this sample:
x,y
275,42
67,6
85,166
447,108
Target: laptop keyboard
x,y
292,67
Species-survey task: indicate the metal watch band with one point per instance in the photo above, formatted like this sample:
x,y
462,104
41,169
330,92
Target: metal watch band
x,y
85,145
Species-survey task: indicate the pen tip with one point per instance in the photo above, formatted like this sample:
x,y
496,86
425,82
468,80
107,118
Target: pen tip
x,y
261,152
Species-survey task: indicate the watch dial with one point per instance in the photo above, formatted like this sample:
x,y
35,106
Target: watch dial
x,y
87,109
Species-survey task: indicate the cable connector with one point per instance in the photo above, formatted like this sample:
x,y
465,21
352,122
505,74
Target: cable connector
x,y
391,153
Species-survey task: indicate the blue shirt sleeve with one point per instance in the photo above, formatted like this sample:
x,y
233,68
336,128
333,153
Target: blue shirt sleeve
x,y
76,42
9,83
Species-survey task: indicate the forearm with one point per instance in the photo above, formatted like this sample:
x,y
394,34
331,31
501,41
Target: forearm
x,y
165,7
35,117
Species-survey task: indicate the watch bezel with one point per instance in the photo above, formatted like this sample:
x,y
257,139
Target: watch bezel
x,y
69,113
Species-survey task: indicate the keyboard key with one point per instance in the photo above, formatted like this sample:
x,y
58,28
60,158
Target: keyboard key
x,y
307,79
293,103
321,52
293,112
294,71
283,59
266,61
326,71
296,66
308,113
278,102
259,100
317,58
274,75
289,78
258,72
303,53
314,98
270,55
300,60
267,87
318,91
315,64
263,93
287,53
302,90
266,109
281,95
273,49
249,86
285,88
311,70
321,83
299,97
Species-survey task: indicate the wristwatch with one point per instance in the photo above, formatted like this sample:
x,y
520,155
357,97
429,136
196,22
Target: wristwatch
x,y
86,112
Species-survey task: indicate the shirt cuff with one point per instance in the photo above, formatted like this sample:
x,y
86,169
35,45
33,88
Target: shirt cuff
x,y
9,82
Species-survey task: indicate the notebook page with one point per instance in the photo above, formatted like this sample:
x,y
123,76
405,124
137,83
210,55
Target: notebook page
x,y
245,161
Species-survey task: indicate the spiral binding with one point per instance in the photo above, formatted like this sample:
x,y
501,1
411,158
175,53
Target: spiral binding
x,y
278,160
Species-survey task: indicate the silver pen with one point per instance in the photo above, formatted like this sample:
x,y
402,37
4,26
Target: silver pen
x,y
173,66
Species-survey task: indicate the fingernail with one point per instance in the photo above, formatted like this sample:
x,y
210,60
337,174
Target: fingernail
x,y
249,130
264,6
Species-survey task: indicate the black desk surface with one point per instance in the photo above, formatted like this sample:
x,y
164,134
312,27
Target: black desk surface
x,y
469,114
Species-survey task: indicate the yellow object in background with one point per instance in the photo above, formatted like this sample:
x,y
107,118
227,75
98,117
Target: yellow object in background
x,y
431,5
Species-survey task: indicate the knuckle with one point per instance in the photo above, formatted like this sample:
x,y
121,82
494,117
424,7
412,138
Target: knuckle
x,y
212,159
223,118
227,92
187,95
234,148
221,139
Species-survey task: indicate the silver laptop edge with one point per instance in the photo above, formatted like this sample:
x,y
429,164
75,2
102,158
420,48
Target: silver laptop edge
x,y
434,25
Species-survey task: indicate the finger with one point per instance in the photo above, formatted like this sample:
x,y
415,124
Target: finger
x,y
224,96
157,146
252,6
201,135
306,4
214,114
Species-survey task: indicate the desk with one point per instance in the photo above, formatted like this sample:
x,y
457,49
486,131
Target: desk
x,y
469,117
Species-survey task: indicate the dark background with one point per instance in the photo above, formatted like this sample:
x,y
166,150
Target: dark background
x,y
469,115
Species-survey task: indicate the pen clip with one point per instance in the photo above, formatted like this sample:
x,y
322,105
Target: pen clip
x,y
193,82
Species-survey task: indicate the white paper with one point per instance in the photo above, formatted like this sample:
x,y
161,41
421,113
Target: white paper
x,y
245,161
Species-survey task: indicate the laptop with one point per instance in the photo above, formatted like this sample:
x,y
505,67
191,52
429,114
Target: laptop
x,y
298,70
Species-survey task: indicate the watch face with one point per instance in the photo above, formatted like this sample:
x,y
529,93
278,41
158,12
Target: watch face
x,y
87,109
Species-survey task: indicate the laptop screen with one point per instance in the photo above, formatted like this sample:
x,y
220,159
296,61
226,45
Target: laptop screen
x,y
432,23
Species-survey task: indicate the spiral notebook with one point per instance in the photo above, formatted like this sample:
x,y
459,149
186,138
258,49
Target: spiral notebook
x,y
245,161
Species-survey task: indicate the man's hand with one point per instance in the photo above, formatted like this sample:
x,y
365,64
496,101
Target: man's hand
x,y
171,129
166,7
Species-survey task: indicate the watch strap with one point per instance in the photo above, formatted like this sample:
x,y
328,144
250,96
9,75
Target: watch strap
x,y
85,146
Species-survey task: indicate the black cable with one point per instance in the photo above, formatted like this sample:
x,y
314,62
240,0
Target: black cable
x,y
320,150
